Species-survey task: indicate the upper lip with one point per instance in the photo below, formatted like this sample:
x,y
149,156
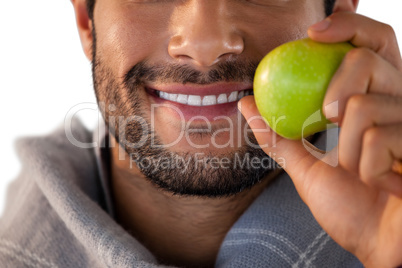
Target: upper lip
x,y
201,90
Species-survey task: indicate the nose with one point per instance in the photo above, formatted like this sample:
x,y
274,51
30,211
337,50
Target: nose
x,y
203,33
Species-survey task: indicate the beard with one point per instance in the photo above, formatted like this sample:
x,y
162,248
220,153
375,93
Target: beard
x,y
182,173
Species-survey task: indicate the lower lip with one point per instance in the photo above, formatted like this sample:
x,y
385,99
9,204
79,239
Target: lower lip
x,y
196,113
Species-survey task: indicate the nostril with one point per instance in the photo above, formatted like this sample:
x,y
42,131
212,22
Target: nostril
x,y
204,54
205,48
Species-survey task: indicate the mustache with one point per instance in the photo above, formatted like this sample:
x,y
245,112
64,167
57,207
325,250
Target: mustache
x,y
230,71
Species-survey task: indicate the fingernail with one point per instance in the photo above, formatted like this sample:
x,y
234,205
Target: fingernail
x,y
321,26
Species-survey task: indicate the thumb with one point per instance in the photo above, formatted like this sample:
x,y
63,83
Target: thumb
x,y
296,159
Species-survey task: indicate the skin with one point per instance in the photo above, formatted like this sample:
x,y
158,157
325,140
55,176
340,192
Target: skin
x,y
180,230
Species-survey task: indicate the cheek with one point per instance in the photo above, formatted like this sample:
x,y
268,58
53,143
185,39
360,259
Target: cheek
x,y
127,39
267,31
275,36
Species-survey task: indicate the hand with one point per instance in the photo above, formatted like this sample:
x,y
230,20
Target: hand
x,y
358,202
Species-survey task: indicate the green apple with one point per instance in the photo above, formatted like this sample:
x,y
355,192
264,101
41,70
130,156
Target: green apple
x,y
290,85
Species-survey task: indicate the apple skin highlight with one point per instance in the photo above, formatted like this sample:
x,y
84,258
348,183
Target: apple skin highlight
x,y
290,85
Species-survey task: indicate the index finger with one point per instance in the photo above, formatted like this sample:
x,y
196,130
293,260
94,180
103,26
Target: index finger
x,y
361,31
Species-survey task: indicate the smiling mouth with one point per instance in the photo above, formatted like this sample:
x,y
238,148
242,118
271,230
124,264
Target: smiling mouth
x,y
199,100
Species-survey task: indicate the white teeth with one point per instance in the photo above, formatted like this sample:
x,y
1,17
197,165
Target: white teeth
x,y
196,100
209,100
181,98
172,97
233,96
222,99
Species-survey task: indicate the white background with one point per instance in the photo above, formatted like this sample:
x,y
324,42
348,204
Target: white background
x,y
43,71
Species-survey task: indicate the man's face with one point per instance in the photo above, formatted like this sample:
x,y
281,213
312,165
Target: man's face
x,y
170,74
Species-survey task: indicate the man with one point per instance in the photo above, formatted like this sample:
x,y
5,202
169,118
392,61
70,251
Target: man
x,y
183,175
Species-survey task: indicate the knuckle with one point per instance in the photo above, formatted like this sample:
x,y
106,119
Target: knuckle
x,y
388,30
356,104
360,56
389,41
372,138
